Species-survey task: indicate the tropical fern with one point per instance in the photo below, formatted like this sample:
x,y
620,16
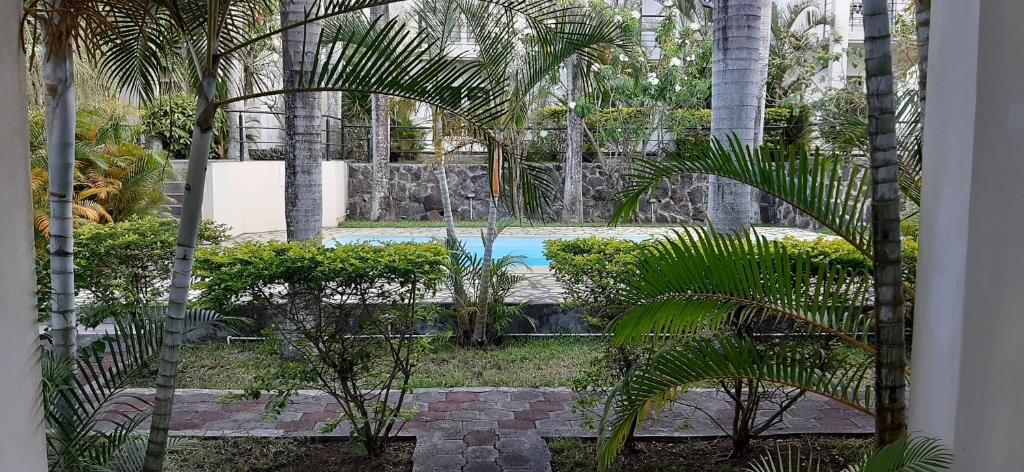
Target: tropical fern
x,y
667,374
906,455
700,279
91,420
834,194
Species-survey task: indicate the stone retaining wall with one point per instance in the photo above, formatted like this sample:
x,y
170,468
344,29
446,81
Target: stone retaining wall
x,y
414,194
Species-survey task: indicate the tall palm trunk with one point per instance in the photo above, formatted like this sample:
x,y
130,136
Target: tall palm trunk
x,y
890,375
442,174
924,24
484,291
739,72
380,139
572,194
303,196
234,114
181,273
59,79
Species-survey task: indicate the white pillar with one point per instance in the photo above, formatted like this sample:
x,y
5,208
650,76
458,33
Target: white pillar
x,y
840,9
22,444
968,357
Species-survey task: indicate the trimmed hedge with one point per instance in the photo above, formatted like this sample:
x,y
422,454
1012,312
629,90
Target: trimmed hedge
x,y
230,277
124,266
594,271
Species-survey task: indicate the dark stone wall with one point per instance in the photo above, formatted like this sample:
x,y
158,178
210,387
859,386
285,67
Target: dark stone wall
x,y
414,194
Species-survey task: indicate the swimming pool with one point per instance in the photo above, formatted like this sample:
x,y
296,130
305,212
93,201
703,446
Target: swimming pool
x,y
531,248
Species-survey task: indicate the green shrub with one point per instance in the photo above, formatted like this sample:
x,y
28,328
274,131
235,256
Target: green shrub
x,y
350,316
594,272
170,120
125,266
617,125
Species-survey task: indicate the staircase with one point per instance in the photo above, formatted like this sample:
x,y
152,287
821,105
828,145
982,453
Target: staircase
x,y
175,191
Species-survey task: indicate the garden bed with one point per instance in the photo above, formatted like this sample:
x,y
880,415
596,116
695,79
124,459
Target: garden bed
x,y
285,455
705,455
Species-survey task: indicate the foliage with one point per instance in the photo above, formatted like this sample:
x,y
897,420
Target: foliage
x,y
594,272
115,179
687,127
124,267
170,119
91,423
349,317
915,454
464,281
798,54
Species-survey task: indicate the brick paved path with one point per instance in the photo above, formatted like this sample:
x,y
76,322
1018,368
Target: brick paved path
x,y
486,429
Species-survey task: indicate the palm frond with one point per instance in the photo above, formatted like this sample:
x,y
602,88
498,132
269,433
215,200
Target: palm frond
x,y
668,372
788,461
834,194
915,454
700,279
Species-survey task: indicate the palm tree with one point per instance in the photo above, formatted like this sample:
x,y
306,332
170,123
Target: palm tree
x,y
891,365
380,139
572,195
350,55
61,26
303,206
517,57
739,72
924,23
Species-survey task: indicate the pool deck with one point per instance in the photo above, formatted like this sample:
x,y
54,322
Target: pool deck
x,y
539,285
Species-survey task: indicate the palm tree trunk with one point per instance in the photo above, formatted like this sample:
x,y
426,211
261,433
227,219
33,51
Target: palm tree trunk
x,y
59,79
484,293
380,139
572,195
924,23
234,114
303,196
739,72
181,275
890,375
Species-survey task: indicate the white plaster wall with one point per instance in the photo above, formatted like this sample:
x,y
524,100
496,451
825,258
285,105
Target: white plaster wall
x,y
249,196
968,361
22,444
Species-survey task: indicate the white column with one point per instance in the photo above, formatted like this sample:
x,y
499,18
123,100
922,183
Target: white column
x,y
968,357
22,445
840,9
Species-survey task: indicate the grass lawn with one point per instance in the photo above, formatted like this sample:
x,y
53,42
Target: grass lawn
x,y
284,455
544,362
705,455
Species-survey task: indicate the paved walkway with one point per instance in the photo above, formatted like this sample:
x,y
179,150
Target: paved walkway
x,y
486,429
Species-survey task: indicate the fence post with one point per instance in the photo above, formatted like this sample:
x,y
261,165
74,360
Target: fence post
x,y
241,137
327,138
341,133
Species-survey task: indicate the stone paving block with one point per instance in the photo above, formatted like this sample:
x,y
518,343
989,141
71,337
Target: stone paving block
x,y
489,466
513,406
497,415
480,438
495,396
479,424
481,454
527,396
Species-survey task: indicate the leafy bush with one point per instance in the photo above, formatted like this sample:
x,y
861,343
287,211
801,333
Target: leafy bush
x,y
594,271
349,315
464,282
115,178
611,125
170,120
125,266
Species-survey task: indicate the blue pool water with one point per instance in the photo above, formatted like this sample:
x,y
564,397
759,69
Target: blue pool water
x,y
530,248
